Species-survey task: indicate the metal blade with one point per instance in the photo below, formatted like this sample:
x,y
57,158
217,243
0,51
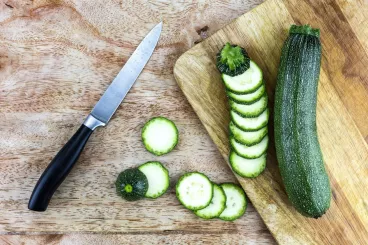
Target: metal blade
x,y
120,86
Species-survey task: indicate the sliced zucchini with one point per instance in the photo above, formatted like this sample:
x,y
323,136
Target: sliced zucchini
x,y
250,110
252,123
158,178
247,98
249,152
236,202
245,83
217,205
160,135
248,138
194,190
249,168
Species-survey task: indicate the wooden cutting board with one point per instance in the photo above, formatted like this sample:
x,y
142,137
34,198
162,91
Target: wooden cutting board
x,y
342,113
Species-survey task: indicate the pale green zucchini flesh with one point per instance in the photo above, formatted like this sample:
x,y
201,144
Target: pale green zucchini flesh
x,y
249,168
245,83
249,152
248,138
252,123
247,98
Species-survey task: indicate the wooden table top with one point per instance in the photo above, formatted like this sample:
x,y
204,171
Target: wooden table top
x,y
185,24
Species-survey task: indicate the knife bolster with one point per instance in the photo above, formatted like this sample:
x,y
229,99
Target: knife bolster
x,y
92,122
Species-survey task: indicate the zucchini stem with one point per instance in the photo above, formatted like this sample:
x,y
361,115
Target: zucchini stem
x,y
304,29
232,60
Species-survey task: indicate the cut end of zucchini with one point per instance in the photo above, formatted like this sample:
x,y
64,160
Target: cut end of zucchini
x,y
217,205
304,29
194,190
232,60
158,178
160,135
131,184
236,202
249,168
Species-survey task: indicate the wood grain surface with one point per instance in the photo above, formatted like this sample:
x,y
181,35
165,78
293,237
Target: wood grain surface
x,y
342,111
56,59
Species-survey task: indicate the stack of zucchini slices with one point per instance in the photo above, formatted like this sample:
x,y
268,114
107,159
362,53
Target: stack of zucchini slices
x,y
249,113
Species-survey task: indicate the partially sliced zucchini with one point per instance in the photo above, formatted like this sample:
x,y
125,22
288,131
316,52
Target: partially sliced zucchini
x,y
249,168
158,178
194,190
250,110
247,98
248,138
217,205
252,123
160,135
245,83
236,202
249,152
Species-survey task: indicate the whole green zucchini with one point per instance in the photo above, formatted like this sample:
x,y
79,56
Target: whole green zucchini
x,y
297,147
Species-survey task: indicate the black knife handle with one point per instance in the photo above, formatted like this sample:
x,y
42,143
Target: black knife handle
x,y
58,169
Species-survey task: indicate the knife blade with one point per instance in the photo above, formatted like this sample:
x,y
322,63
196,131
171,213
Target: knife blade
x,y
63,162
122,83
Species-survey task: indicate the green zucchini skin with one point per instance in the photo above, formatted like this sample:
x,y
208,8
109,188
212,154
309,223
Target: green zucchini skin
x,y
131,184
298,151
232,60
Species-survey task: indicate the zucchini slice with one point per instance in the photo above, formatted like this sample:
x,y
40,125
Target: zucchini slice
x,y
249,168
236,202
249,152
217,205
160,135
194,190
131,184
247,98
250,110
248,138
158,178
245,83
252,123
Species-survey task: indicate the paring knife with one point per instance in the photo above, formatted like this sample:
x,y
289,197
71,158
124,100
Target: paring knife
x,y
64,161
